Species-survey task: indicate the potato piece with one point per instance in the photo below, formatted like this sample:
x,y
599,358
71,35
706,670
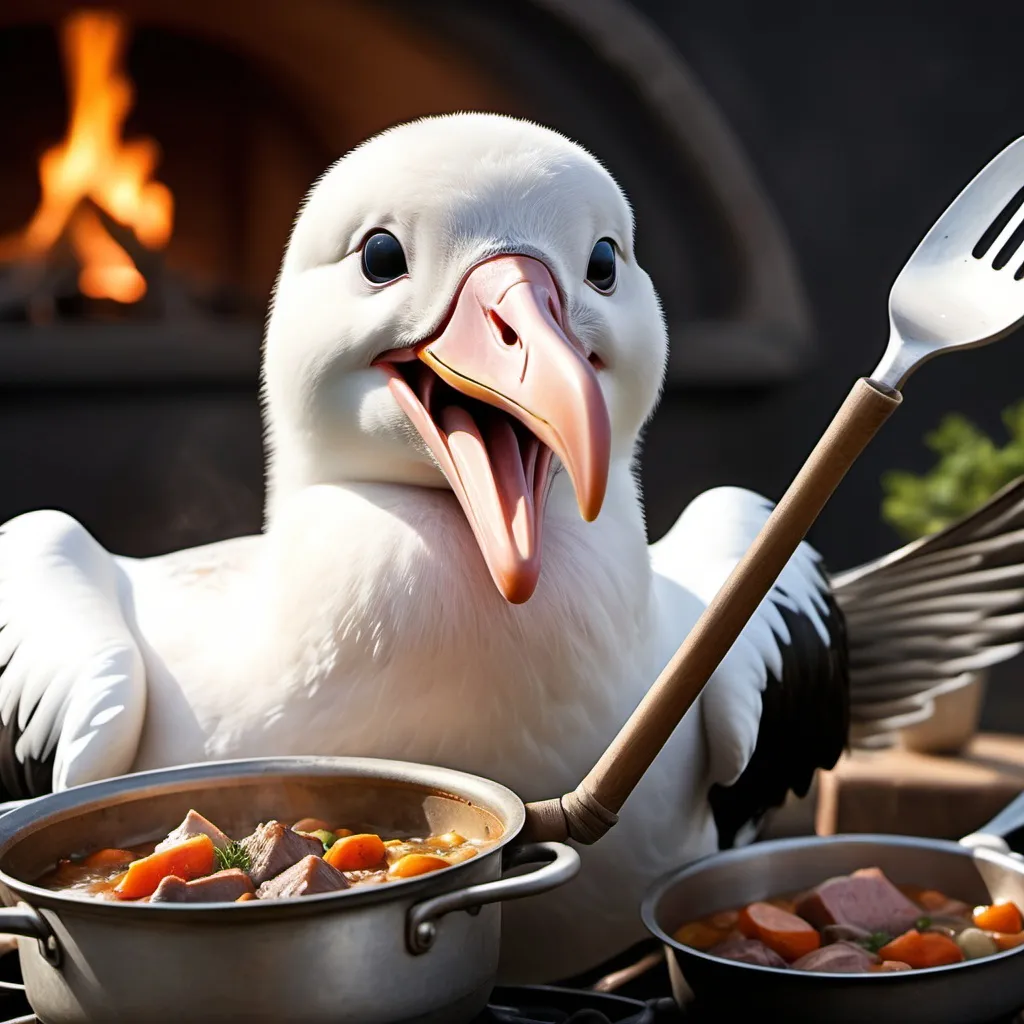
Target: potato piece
x,y
311,825
975,943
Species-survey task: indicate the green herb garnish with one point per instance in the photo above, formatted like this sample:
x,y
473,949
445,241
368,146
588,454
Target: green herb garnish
x,y
325,837
232,856
922,923
875,941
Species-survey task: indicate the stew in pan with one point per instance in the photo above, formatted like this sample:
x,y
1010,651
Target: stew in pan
x,y
198,863
855,924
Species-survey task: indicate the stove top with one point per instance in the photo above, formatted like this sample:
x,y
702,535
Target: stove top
x,y
642,1000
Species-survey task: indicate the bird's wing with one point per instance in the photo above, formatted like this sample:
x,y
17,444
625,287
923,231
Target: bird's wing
x,y
923,619
72,681
777,708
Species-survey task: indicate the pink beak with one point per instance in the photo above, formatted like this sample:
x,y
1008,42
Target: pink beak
x,y
504,346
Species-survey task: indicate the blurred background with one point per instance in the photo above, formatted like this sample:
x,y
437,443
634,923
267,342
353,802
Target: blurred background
x,y
783,160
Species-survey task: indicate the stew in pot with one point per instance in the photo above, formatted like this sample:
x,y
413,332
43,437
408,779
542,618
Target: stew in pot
x,y
198,863
856,924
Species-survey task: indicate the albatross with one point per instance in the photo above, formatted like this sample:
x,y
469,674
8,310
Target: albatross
x,y
460,358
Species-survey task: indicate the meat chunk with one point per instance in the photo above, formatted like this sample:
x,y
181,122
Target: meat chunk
x,y
837,958
273,847
748,951
309,876
195,825
866,899
220,887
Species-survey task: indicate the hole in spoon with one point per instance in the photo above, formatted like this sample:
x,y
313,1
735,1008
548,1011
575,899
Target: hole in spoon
x,y
997,226
1012,245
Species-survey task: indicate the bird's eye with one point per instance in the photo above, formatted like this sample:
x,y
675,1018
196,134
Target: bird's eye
x,y
383,258
601,268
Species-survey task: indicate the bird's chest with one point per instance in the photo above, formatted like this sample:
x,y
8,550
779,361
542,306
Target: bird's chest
x,y
400,646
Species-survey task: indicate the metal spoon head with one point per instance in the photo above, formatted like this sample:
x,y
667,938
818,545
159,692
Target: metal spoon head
x,y
964,284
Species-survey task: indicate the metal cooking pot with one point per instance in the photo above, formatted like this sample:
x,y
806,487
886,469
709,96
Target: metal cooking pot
x,y
383,954
978,869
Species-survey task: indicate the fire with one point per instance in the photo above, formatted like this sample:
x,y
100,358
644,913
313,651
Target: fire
x,y
94,162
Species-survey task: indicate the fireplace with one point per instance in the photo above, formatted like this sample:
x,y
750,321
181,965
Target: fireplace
x,y
152,167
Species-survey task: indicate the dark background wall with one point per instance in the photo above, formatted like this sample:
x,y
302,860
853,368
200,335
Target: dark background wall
x,y
863,121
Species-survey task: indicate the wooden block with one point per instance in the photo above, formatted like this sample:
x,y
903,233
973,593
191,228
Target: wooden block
x,y
906,793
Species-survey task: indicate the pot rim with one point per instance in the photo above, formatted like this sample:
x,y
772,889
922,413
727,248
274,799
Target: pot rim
x,y
21,822
655,894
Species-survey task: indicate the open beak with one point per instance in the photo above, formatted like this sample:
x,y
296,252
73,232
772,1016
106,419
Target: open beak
x,y
499,390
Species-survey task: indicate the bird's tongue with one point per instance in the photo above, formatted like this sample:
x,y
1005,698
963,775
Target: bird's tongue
x,y
502,486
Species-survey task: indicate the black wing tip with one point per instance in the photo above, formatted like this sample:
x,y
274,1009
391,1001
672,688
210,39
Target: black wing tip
x,y
805,721
21,780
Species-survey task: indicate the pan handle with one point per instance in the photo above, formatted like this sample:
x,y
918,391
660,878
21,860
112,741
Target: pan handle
x,y
27,921
994,834
560,863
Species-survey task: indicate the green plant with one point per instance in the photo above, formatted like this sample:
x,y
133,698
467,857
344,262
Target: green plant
x,y
970,469
232,856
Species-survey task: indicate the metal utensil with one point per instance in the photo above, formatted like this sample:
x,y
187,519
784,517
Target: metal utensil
x,y
403,951
979,869
962,287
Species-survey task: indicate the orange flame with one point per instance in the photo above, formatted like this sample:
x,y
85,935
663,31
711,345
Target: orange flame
x,y
94,162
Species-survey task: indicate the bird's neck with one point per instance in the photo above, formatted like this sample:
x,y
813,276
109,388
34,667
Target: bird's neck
x,y
402,563
390,634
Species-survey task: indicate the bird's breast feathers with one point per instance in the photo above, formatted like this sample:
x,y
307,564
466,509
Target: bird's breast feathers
x,y
378,632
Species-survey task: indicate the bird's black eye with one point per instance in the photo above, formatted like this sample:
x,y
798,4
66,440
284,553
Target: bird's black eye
x,y
383,258
601,268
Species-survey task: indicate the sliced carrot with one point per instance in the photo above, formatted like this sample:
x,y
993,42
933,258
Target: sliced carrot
x,y
922,949
415,864
1000,917
1004,941
190,859
108,858
245,897
311,825
785,933
342,832
356,853
699,935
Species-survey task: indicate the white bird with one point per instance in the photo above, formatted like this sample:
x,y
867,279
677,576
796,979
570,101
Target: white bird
x,y
461,355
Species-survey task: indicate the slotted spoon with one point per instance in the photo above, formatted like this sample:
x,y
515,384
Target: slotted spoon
x,y
962,287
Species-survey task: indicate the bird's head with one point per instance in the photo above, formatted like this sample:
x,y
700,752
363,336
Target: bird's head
x,y
460,306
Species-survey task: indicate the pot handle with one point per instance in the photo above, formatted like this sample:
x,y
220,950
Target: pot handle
x,y
560,863
993,835
27,921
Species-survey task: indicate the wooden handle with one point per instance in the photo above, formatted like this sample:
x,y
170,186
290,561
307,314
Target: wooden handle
x,y
587,813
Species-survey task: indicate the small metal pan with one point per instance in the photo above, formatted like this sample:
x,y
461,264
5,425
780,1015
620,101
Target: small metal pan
x,y
978,869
